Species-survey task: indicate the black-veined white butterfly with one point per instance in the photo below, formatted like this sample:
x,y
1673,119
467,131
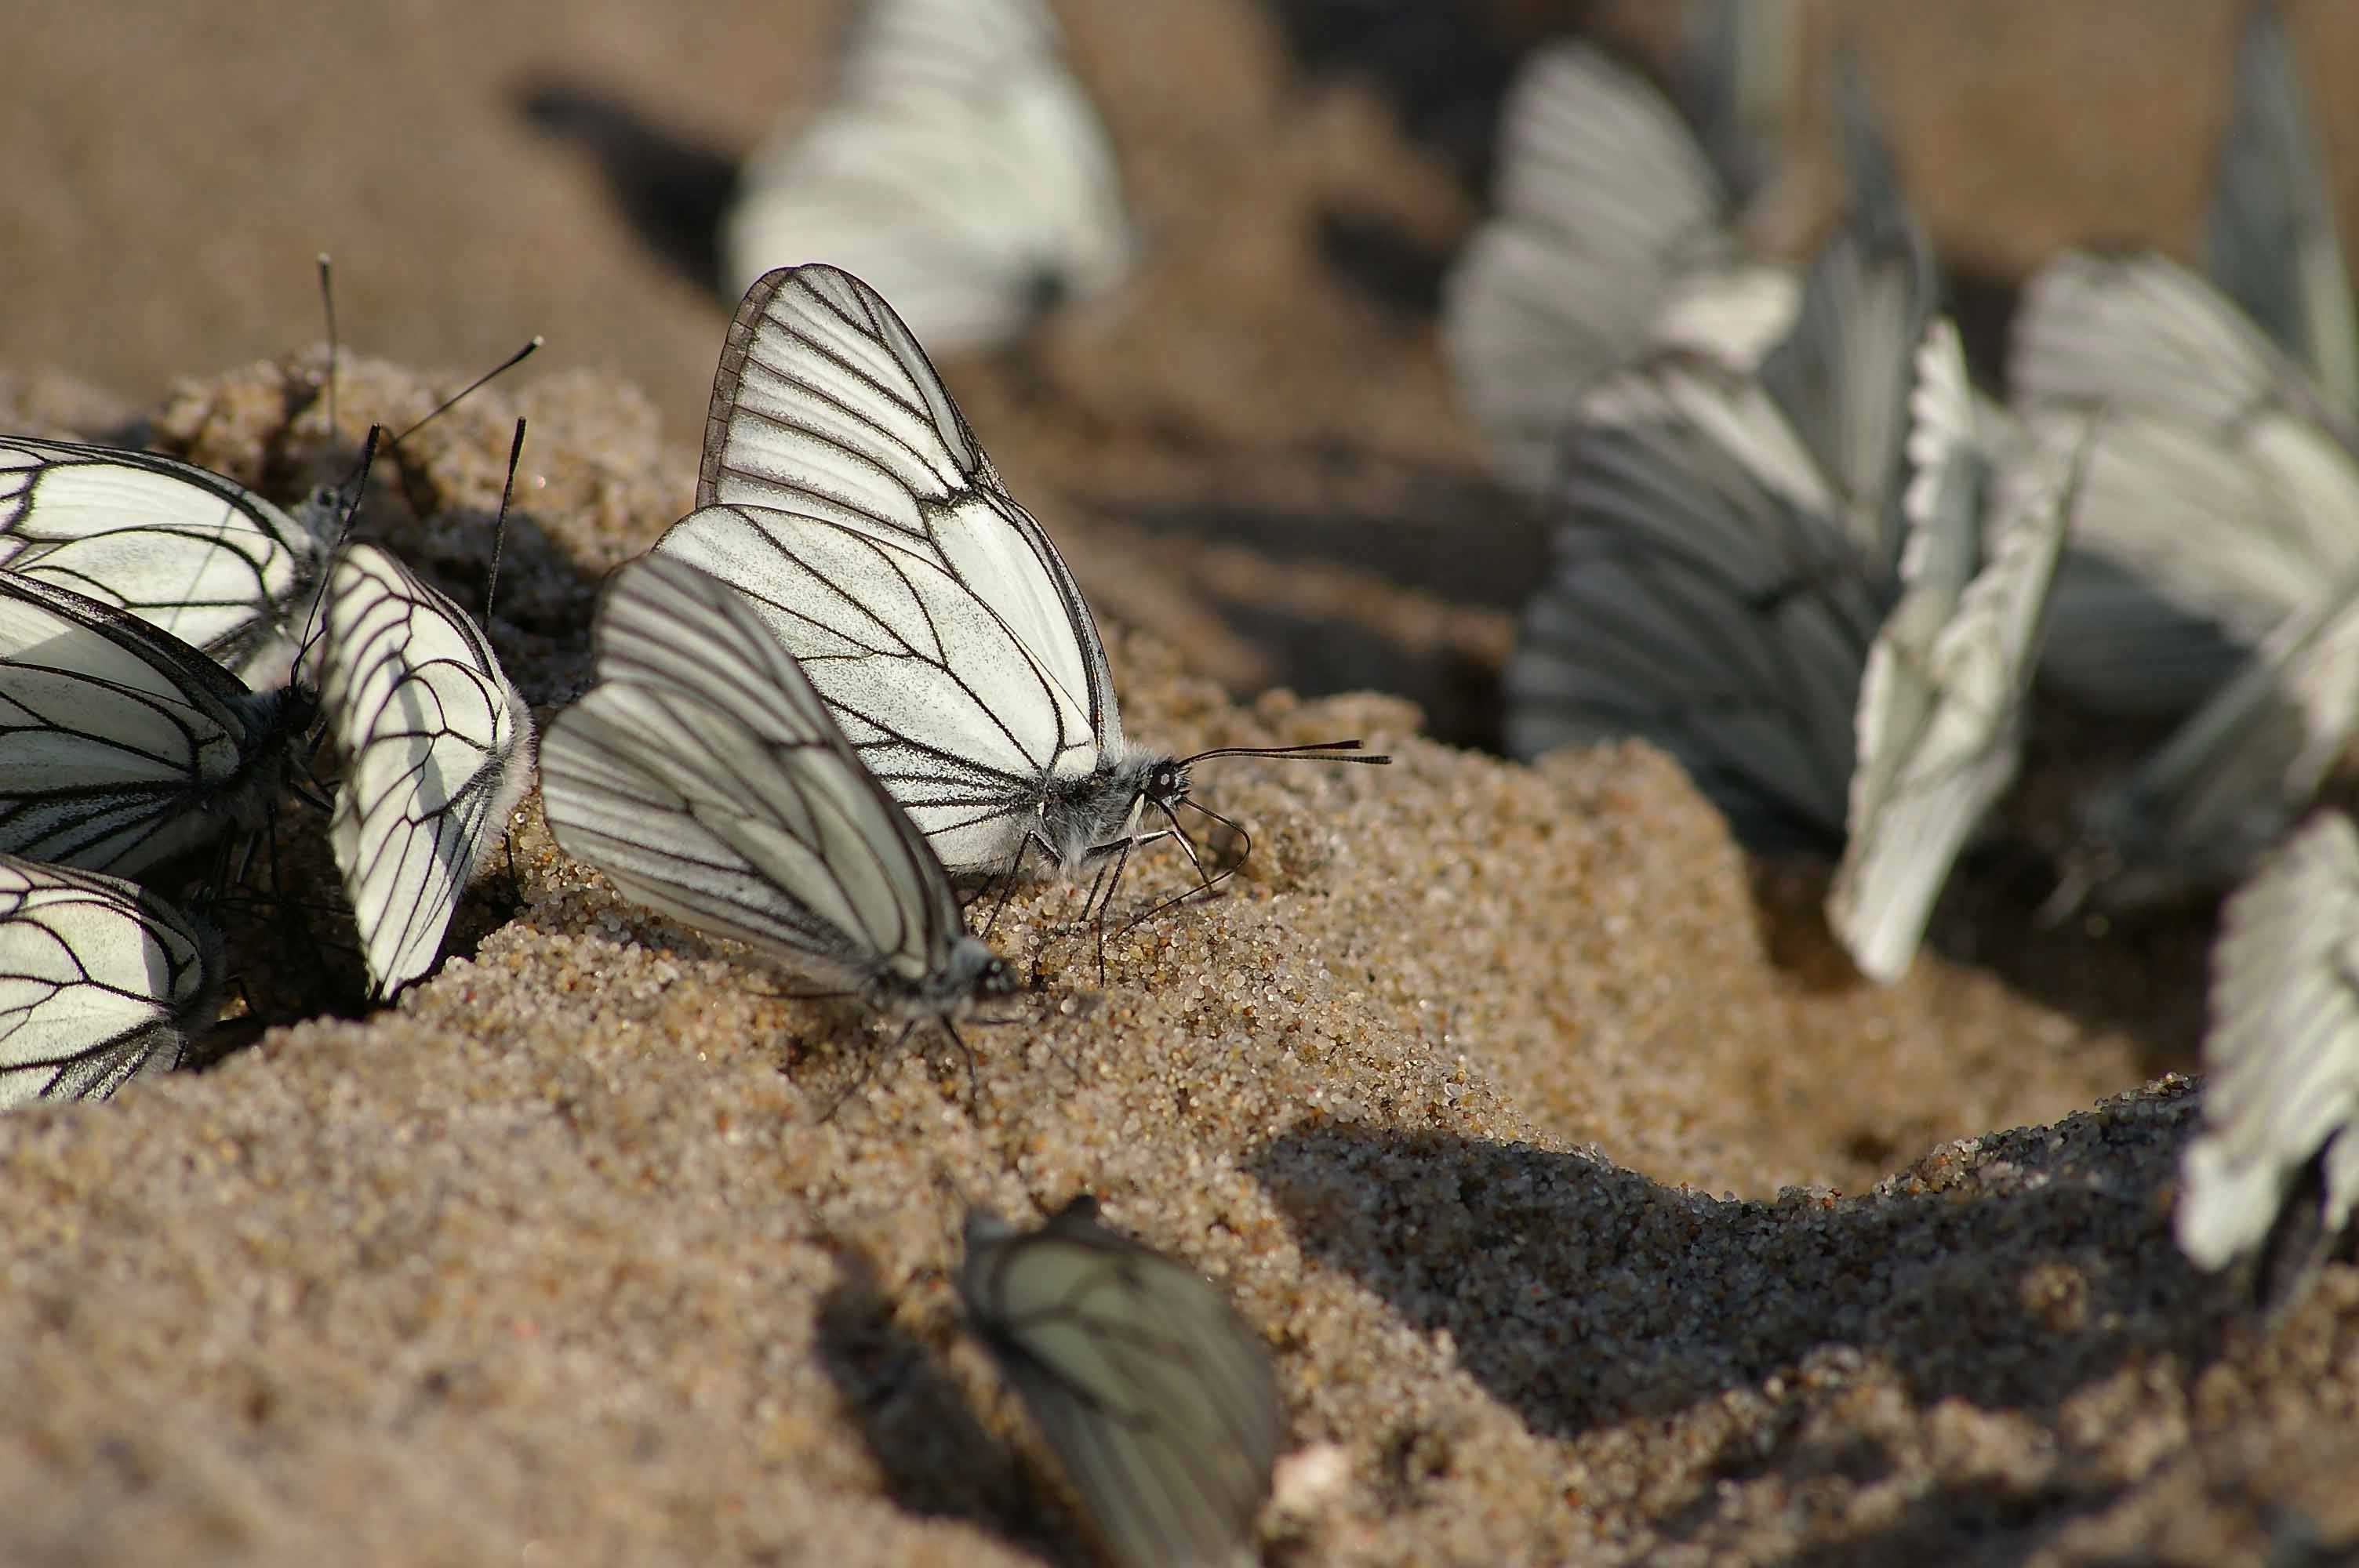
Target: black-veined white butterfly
x,y
960,166
184,549
1158,1399
99,981
122,746
704,777
2275,1173
1611,234
436,748
844,496
1941,719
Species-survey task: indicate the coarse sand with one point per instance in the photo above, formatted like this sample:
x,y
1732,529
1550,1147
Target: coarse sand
x,y
1593,1211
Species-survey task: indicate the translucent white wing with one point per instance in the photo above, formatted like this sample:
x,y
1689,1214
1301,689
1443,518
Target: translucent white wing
x,y
435,742
703,776
120,745
2282,1057
1604,199
2237,773
1841,374
845,495
181,547
960,169
1737,76
1694,604
1940,703
2220,496
1159,1402
2274,241
98,982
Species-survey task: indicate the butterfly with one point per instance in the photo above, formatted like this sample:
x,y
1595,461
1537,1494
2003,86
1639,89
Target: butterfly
x,y
1158,1399
122,746
846,499
438,746
1611,234
703,776
192,554
2214,572
2274,1174
99,981
960,165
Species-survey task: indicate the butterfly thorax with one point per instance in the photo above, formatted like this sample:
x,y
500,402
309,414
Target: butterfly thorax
x,y
277,724
1087,817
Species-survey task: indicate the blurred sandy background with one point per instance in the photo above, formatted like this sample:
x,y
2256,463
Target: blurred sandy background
x,y
553,1260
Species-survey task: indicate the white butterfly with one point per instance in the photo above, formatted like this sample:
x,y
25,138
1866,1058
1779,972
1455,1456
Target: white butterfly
x,y
1611,234
960,166
98,982
703,776
1159,1402
2276,1170
120,745
1941,716
437,745
846,497
181,547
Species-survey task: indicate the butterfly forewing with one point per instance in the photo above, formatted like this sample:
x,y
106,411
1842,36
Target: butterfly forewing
x,y
1159,1402
845,495
705,777
120,745
2282,1056
98,982
183,549
435,740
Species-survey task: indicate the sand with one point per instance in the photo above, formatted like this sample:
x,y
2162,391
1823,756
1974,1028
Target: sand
x,y
1592,1210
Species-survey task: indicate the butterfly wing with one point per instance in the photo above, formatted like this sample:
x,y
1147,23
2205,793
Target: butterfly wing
x,y
1694,603
843,495
1841,374
436,748
2275,243
1159,1402
961,166
2281,1059
703,776
1604,199
98,982
1941,702
181,548
120,745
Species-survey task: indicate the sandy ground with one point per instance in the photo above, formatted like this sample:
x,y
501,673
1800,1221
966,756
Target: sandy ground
x,y
1592,1210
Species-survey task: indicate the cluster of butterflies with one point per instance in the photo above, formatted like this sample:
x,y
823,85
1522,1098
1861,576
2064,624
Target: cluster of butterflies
x,y
1799,551
173,650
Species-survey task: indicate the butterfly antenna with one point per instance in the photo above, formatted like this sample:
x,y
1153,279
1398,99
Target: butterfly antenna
x,y
505,365
328,310
500,525
1316,752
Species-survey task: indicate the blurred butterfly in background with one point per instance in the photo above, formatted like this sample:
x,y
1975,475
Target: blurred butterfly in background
x,y
189,552
1805,599
845,499
436,746
960,167
2273,1176
1158,1399
2214,571
1612,232
121,746
703,776
99,981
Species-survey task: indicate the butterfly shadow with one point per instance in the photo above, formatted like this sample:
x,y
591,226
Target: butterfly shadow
x,y
673,191
1582,1295
937,1460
